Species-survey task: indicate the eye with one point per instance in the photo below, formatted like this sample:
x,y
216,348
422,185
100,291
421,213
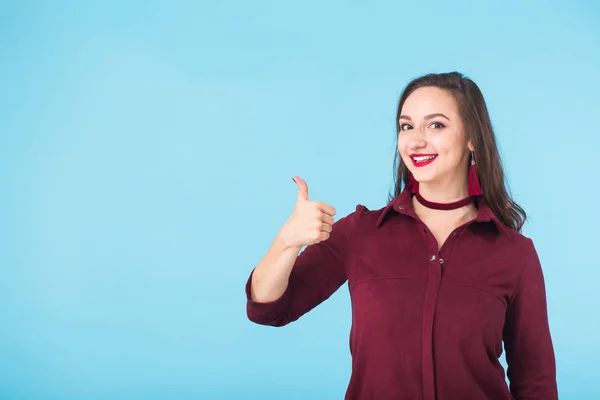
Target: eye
x,y
405,127
437,125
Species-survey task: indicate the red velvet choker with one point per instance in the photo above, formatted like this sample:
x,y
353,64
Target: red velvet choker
x,y
444,206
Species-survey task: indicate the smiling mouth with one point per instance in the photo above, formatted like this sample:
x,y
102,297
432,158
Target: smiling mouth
x,y
420,160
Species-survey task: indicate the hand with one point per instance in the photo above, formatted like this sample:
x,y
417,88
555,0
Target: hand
x,y
311,221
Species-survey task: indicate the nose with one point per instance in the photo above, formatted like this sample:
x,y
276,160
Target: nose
x,y
417,140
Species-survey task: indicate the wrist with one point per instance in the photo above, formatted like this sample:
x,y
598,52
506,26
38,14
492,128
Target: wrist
x,y
282,243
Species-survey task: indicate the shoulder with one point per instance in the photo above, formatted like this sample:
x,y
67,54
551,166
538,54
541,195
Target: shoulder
x,y
351,219
519,242
366,220
505,246
524,257
364,216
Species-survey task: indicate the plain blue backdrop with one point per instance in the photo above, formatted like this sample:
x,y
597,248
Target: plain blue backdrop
x,y
146,156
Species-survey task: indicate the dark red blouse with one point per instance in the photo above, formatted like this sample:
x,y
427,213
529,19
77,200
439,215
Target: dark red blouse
x,y
429,324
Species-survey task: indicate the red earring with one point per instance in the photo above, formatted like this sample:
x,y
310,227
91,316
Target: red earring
x,y
413,184
474,188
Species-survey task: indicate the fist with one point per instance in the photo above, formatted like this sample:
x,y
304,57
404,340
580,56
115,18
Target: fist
x,y
311,222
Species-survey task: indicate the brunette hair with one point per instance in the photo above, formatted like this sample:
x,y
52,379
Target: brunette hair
x,y
478,128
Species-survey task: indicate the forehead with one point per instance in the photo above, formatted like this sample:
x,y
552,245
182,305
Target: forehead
x,y
428,100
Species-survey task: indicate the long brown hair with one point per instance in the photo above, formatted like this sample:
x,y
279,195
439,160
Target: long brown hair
x,y
478,128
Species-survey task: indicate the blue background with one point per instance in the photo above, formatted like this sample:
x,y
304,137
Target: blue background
x,y
146,156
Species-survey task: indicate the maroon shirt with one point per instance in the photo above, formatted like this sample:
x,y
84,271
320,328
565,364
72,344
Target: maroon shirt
x,y
429,324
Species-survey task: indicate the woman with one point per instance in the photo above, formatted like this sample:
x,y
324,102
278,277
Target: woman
x,y
439,278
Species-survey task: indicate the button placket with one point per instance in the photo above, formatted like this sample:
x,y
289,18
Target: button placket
x,y
431,292
450,243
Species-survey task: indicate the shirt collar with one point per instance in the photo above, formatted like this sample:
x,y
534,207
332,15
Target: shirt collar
x,y
402,204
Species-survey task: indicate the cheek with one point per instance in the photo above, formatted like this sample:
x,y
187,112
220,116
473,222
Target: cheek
x,y
402,149
445,146
440,142
451,150
402,144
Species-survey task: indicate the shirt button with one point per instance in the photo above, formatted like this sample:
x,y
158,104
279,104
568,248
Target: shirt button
x,y
432,258
425,230
441,260
400,207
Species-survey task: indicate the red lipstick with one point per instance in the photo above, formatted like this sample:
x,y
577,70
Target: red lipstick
x,y
421,160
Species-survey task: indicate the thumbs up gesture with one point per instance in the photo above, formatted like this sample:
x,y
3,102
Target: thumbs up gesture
x,y
311,221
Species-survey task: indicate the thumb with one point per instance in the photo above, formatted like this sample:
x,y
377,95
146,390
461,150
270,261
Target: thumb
x,y
302,188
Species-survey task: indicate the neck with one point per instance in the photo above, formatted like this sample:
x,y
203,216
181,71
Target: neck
x,y
443,194
452,216
442,208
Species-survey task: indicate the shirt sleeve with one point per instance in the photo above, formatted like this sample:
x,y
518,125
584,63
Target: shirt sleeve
x,y
527,340
319,270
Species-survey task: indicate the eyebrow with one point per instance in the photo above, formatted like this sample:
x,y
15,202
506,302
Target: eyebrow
x,y
426,117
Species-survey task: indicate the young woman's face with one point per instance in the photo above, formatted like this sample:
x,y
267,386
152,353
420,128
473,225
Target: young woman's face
x,y
432,142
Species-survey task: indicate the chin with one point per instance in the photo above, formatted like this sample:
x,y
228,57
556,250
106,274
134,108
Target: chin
x,y
423,178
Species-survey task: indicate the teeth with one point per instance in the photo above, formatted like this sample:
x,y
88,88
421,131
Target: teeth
x,y
424,158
